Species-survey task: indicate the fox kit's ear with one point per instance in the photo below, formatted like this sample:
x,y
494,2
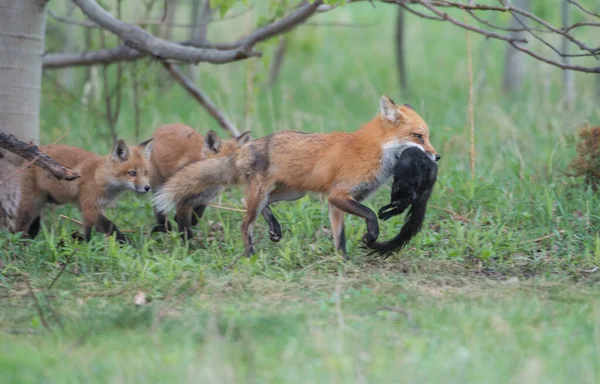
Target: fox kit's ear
x,y
243,138
212,141
120,151
146,147
389,110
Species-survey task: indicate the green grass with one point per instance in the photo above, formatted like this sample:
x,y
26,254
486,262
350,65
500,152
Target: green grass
x,y
499,286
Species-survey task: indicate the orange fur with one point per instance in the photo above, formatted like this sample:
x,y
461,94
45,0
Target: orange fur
x,y
103,178
287,164
174,147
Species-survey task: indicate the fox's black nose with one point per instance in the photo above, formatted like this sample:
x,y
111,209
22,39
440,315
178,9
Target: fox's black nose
x,y
437,157
147,188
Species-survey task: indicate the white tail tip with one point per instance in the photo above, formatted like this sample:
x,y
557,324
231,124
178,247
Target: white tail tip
x,y
162,201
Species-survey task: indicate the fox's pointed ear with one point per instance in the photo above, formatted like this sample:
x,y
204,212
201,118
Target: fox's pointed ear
x,y
389,111
212,141
146,147
120,151
243,138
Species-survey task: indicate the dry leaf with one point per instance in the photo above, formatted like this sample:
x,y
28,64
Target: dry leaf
x,y
140,298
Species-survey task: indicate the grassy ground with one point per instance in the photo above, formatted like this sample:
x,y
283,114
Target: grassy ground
x,y
499,287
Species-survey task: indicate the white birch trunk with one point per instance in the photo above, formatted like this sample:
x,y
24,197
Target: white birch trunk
x,y
22,27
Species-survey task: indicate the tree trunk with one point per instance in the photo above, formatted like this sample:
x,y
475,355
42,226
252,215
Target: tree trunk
x,y
22,26
200,18
400,55
514,66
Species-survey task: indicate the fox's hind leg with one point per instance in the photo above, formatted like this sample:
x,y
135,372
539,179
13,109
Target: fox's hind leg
x,y
336,218
280,193
257,198
28,213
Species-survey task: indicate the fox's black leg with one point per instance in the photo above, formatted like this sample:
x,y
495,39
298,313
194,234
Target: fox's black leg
x,y
275,233
34,227
345,203
183,217
197,214
280,193
162,223
107,227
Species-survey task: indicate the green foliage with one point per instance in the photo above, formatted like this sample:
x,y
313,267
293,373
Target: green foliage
x,y
500,286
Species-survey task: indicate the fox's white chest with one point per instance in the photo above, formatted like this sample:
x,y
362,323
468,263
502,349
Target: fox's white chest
x,y
390,153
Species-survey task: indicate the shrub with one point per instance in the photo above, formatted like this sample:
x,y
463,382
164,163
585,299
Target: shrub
x,y
587,162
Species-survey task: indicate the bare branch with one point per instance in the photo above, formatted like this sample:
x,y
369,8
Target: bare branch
x,y
278,27
103,56
202,98
554,62
434,6
68,20
139,43
143,41
194,25
575,3
32,153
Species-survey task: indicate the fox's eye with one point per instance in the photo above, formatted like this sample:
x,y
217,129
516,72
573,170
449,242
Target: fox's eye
x,y
419,137
132,173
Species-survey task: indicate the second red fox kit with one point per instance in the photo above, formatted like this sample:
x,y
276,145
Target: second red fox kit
x,y
103,179
176,145
286,165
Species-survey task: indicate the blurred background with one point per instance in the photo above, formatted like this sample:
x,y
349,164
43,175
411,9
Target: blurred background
x,y
327,75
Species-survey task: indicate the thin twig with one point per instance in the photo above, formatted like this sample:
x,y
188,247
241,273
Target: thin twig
x,y
37,304
451,212
471,107
542,238
194,25
227,208
201,98
399,310
80,223
60,272
68,20
136,101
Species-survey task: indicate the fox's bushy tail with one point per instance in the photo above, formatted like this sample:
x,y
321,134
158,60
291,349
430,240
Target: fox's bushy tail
x,y
413,223
194,182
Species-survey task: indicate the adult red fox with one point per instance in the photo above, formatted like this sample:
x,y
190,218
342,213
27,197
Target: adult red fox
x,y
285,165
173,147
103,179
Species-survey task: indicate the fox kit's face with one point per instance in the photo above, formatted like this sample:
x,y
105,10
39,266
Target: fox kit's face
x,y
406,126
130,167
215,147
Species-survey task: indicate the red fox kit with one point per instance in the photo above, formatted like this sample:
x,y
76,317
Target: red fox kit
x,y
176,145
103,179
286,165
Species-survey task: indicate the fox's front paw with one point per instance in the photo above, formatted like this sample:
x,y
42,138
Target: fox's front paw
x,y
77,236
275,237
249,251
159,228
